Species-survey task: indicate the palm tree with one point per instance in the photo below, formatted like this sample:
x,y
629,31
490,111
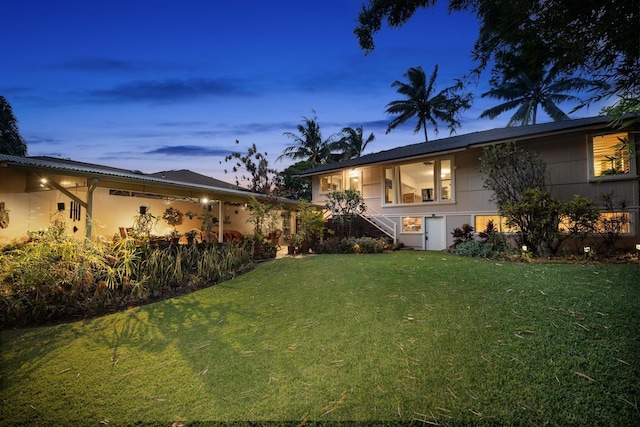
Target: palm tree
x,y
527,91
352,143
420,101
309,144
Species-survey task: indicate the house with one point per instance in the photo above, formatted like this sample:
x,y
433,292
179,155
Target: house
x,y
419,193
101,201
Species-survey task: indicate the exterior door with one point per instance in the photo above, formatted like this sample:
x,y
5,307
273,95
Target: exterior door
x,y
434,234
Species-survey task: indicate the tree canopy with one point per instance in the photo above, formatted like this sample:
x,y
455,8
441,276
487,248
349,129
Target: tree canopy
x,y
11,142
598,39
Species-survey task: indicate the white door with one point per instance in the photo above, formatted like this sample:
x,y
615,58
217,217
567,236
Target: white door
x,y
435,238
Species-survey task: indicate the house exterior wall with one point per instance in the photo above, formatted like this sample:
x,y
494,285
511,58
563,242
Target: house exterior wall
x,y
567,159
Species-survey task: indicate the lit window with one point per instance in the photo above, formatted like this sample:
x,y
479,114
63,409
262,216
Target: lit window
x,y
499,223
422,182
388,185
412,224
354,180
614,222
331,182
610,155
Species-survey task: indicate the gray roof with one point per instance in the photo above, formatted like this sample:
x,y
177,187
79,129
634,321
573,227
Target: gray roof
x,y
185,175
461,142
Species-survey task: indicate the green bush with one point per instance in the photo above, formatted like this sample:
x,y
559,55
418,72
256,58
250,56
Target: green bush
x,y
474,248
352,245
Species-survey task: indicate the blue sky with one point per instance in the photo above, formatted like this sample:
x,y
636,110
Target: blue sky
x,y
160,85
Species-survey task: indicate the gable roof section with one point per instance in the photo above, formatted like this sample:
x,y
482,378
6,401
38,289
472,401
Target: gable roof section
x,y
181,182
462,142
185,175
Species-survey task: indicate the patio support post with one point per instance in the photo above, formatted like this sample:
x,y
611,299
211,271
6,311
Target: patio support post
x,y
91,188
220,222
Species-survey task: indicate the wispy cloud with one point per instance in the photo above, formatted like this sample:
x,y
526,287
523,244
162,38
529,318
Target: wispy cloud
x,y
170,90
189,150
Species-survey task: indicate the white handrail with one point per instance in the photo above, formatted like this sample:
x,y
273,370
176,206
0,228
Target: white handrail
x,y
381,222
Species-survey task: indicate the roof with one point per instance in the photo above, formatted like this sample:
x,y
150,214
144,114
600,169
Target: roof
x,y
182,180
461,142
185,175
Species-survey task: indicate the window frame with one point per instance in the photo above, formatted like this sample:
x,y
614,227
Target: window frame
x,y
610,177
419,223
342,182
438,180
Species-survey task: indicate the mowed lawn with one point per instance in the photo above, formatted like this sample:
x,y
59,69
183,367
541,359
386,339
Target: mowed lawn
x,y
400,337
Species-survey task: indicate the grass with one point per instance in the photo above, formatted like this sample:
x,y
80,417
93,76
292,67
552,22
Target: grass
x,y
401,337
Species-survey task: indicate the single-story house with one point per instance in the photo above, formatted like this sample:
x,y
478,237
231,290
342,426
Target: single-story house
x,y
101,202
419,193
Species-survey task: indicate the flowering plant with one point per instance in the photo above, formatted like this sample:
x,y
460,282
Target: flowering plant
x,y
173,216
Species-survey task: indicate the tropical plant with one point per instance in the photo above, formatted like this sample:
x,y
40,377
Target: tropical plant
x,y
352,144
311,223
536,218
258,175
263,216
173,216
143,224
309,144
11,142
345,206
422,102
530,90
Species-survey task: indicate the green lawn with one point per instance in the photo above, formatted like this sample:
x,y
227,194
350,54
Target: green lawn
x,y
389,337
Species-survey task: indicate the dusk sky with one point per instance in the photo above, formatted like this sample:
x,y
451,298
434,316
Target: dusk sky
x,y
160,85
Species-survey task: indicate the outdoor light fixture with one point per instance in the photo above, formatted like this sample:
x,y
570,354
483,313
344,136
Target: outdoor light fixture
x,y
587,251
524,248
638,249
204,201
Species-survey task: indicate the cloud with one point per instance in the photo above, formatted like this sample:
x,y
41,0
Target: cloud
x,y
189,150
170,90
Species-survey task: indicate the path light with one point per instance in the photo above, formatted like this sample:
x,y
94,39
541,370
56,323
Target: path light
x,y
524,248
587,250
638,250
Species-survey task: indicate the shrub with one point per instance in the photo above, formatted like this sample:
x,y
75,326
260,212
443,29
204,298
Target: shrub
x,y
463,234
474,248
55,276
352,245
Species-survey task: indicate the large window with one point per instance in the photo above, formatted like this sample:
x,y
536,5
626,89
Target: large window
x,y
421,182
331,182
610,155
